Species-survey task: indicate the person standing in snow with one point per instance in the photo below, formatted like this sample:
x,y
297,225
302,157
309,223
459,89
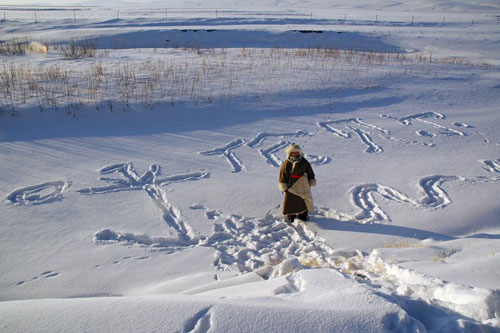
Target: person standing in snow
x,y
295,180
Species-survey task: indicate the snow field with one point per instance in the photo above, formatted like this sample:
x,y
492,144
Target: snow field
x,y
153,205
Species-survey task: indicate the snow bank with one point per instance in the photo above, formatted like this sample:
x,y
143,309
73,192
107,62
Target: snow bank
x,y
480,304
300,302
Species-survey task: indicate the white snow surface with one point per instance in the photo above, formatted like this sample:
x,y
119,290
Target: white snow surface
x,y
139,185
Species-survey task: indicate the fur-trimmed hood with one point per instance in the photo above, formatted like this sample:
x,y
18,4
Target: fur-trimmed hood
x,y
293,148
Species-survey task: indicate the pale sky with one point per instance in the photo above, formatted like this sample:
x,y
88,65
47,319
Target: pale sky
x,y
453,5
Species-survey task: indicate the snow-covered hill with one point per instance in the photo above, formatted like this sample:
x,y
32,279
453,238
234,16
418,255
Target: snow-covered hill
x,y
140,158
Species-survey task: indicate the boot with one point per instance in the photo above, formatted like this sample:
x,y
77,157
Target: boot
x,y
303,216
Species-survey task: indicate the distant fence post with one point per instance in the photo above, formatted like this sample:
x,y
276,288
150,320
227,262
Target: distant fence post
x,y
36,19
412,17
166,14
74,15
442,23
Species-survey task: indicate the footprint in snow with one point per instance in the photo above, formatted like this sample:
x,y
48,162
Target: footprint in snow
x,y
46,275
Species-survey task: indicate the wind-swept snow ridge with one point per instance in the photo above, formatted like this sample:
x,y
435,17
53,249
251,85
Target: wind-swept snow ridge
x,y
150,182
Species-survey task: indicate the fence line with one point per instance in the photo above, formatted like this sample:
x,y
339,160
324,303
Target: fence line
x,y
165,14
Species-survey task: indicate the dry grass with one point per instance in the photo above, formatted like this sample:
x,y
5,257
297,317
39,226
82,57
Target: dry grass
x,y
15,46
443,254
79,49
403,243
313,262
200,76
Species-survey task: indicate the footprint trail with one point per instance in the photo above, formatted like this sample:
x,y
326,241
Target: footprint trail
x,y
48,192
228,154
151,183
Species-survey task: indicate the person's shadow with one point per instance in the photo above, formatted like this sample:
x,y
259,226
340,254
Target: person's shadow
x,y
327,223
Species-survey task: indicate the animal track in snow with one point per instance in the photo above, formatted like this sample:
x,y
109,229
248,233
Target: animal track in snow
x,y
119,261
46,275
227,153
39,194
150,182
123,259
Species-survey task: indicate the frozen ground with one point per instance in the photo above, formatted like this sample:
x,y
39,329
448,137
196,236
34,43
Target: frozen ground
x,y
140,190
